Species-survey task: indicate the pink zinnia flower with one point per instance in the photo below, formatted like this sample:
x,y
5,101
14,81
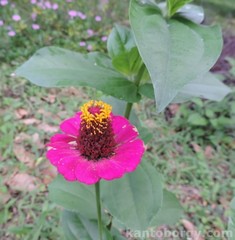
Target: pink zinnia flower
x,y
55,6
81,15
90,32
98,18
34,16
16,18
104,38
48,5
82,44
11,33
35,26
72,13
3,2
89,47
94,145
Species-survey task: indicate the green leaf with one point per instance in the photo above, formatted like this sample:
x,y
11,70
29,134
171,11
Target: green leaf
x,y
170,212
206,86
197,120
175,53
191,12
57,67
174,5
100,59
147,90
150,3
120,40
123,51
77,227
116,234
73,196
136,198
128,63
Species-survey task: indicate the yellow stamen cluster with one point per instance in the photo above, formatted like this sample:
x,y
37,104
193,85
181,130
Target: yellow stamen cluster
x,y
98,118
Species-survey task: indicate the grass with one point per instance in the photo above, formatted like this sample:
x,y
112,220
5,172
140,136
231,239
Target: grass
x,y
200,171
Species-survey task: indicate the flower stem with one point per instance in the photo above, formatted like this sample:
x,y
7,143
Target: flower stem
x,y
98,205
128,110
137,83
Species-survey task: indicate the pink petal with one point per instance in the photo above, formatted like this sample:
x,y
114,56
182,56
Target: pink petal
x,y
109,169
86,172
62,141
56,156
129,155
71,126
126,159
59,137
67,167
123,130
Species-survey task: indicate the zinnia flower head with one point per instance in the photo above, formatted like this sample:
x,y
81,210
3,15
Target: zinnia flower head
x,y
95,144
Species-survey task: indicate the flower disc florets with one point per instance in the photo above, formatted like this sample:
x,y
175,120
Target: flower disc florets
x,y
95,144
96,137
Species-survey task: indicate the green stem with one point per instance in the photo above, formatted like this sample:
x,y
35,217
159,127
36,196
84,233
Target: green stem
x,y
128,110
98,205
137,83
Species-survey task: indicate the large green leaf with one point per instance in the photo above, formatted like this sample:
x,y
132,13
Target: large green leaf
x,y
77,227
170,212
74,196
123,51
57,67
174,52
136,198
207,86
147,90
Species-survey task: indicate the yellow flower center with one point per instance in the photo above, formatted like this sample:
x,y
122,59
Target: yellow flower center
x,y
95,113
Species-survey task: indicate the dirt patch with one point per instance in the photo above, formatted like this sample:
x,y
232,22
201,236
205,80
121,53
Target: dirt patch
x,y
223,66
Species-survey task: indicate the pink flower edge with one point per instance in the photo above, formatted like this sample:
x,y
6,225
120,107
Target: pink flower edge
x,y
73,166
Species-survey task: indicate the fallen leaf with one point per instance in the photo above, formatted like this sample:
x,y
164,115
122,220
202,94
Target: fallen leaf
x,y
43,112
4,197
48,172
50,98
191,229
37,141
22,182
21,113
196,147
174,108
187,193
30,121
48,128
23,155
21,137
209,152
